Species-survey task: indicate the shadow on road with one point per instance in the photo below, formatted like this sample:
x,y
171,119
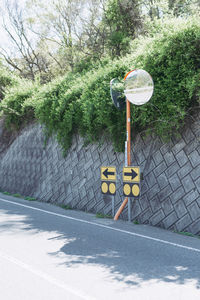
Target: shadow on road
x,y
129,259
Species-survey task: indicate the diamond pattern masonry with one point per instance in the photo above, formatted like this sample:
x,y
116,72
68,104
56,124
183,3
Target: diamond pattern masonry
x,y
170,190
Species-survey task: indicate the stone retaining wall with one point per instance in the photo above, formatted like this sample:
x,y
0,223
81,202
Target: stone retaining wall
x,y
170,191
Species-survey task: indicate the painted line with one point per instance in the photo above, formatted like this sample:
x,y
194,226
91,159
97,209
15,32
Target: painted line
x,y
104,226
45,276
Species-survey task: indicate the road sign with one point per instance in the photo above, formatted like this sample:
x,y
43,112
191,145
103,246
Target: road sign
x,y
108,173
131,189
131,174
108,178
108,188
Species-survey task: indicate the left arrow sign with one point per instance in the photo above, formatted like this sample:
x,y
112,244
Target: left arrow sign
x,y
108,173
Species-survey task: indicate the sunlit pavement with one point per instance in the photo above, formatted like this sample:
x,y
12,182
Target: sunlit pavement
x,y
50,253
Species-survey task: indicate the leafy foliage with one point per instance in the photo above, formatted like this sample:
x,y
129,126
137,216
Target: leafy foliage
x,y
13,105
174,64
123,20
81,101
6,79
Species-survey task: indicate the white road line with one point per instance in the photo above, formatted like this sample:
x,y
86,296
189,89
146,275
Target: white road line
x,y
104,226
45,276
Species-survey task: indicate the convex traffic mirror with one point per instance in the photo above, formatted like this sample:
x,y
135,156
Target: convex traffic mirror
x,y
138,87
117,94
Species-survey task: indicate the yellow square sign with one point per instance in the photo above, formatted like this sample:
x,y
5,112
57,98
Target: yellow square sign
x,y
131,174
108,173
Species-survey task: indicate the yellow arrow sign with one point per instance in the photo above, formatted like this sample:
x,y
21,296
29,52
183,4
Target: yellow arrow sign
x,y
131,174
108,173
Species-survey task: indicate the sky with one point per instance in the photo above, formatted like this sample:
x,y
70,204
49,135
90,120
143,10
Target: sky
x,y
4,40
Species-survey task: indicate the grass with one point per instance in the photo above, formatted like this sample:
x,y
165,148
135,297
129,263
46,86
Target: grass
x,y
136,222
188,234
17,195
100,215
65,206
30,198
7,193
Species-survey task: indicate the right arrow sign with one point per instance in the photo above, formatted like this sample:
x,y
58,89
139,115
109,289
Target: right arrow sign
x,y
131,174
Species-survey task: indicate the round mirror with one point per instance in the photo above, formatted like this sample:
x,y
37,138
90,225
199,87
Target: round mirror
x,y
138,87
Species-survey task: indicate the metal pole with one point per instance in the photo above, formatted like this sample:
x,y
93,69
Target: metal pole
x,y
113,206
129,209
127,155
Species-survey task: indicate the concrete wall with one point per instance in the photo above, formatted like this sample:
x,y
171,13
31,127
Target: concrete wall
x,y
170,191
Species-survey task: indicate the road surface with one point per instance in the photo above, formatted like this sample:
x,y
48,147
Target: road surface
x,y
50,253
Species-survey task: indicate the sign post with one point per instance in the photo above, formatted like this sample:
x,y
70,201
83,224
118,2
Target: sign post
x,y
108,184
139,90
127,152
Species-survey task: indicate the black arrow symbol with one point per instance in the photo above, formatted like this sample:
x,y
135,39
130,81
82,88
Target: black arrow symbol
x,y
106,173
133,174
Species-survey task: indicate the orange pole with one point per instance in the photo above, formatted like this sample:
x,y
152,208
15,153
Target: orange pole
x,y
120,209
128,139
128,130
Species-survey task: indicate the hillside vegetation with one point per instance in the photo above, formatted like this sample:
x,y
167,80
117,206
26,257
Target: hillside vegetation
x,y
80,101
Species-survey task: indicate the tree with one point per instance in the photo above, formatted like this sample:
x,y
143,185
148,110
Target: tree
x,y
92,36
183,7
61,22
123,21
54,37
25,57
157,9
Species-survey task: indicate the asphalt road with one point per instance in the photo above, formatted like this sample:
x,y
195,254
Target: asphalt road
x,y
47,253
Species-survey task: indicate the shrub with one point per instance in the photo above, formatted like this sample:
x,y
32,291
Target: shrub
x,y
172,58
81,101
56,107
173,61
6,79
13,103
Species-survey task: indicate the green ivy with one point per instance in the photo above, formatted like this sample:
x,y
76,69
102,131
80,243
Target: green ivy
x,y
81,102
7,79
